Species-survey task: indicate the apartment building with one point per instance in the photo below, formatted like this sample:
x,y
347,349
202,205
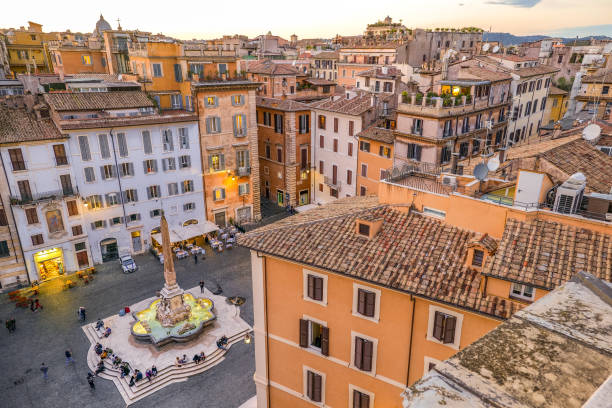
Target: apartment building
x,y
465,112
374,158
277,80
284,151
337,121
556,105
595,95
228,139
27,49
130,164
325,65
5,68
77,53
530,85
43,195
365,326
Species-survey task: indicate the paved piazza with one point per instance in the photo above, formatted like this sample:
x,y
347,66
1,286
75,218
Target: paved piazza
x,y
44,336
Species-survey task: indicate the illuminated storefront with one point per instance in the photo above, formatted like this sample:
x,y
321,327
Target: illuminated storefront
x,y
49,263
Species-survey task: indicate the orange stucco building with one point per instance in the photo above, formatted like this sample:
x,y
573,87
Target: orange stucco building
x,y
357,299
228,142
284,151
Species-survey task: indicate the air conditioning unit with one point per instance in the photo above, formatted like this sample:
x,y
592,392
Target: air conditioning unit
x,y
608,216
449,181
569,194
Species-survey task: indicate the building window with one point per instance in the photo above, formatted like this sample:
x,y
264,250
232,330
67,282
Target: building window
x,y
150,166
59,150
153,192
366,300
321,166
364,146
17,161
335,145
172,189
107,172
31,215
24,190
115,221
130,196
315,287
349,177
351,127
3,219
112,199
444,326
237,100
213,124
37,239
477,257
243,189
321,122
364,170
211,101
157,70
167,142
240,128
363,352
183,138
126,169
146,142
184,162
360,398
384,151
304,124
188,206
155,213
314,334
218,194
524,292
77,230
313,386
350,149
187,186
86,59
216,162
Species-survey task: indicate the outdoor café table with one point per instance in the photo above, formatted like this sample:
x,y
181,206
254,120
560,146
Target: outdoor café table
x,y
230,239
176,249
189,246
216,245
196,250
224,236
233,230
181,254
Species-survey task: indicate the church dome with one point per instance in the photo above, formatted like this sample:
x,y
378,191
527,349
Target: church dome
x,y
101,25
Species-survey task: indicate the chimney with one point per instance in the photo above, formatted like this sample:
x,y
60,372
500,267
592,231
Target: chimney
x,y
502,155
28,101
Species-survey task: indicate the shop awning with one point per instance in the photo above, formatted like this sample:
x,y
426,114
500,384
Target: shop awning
x,y
178,234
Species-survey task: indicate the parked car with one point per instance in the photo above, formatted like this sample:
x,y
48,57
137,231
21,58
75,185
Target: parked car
x,y
127,264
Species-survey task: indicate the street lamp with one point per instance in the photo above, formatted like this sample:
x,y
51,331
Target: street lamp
x,y
247,338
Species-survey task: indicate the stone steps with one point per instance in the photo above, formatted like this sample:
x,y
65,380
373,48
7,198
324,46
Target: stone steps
x,y
165,376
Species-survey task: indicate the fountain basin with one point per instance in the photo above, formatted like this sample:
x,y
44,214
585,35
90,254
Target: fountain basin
x,y
148,329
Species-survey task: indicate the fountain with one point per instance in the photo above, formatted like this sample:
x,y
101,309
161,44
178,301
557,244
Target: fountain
x,y
175,316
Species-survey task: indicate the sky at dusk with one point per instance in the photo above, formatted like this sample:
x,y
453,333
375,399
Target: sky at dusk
x,y
317,18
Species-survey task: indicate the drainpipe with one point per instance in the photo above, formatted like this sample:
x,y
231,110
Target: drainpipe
x,y
410,344
13,216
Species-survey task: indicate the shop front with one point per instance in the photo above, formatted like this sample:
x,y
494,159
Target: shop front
x,y
49,263
109,249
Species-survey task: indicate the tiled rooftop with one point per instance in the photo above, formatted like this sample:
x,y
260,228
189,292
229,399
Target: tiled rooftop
x,y
17,125
547,254
377,72
268,67
556,91
87,101
326,55
378,134
114,121
356,105
412,252
286,105
320,81
487,74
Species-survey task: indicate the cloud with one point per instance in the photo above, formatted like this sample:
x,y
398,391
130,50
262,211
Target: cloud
x,y
514,3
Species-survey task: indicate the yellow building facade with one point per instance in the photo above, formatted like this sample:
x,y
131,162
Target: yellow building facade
x,y
27,49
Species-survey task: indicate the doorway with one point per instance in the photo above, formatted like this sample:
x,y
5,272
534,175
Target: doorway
x,y
280,198
50,263
109,249
304,197
220,219
136,241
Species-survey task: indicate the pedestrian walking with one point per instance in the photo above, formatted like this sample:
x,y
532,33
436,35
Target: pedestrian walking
x,y
11,325
82,313
201,286
68,355
90,380
44,370
195,258
7,323
32,304
37,305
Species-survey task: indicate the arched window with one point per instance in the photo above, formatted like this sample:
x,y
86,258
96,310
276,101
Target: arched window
x,y
190,222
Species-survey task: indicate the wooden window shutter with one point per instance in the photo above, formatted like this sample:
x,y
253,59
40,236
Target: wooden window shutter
x,y
317,386
368,348
350,149
318,289
309,384
321,141
358,352
365,400
325,341
449,329
351,127
336,125
303,333
361,301
370,303
311,286
438,326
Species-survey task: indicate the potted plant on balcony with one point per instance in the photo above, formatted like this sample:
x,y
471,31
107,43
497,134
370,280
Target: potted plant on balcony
x,y
458,101
419,98
468,98
447,100
405,97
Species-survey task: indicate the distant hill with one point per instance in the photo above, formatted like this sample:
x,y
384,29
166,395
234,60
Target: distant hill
x,y
509,39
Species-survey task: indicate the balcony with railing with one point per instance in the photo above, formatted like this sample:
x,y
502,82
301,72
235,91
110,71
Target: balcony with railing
x,y
25,199
419,104
243,171
330,182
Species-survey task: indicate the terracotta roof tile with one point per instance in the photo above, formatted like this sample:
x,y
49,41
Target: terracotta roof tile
x,y
287,105
379,134
83,101
17,125
377,72
326,55
556,91
412,253
356,105
546,253
268,67
488,74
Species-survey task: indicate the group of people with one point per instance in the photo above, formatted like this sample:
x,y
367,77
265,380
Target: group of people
x,y
197,358
10,324
82,313
222,342
35,305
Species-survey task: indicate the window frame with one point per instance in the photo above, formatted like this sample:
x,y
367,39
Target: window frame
x,y
374,340
305,273
355,307
458,326
522,290
352,388
305,370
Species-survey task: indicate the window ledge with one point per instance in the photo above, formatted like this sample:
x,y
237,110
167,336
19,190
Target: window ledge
x,y
372,319
319,302
521,299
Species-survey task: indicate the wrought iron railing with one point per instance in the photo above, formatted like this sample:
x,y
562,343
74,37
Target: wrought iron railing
x,y
44,196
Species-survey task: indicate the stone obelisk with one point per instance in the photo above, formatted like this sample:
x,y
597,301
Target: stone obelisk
x,y
171,309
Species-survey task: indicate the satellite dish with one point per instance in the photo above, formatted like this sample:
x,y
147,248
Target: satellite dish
x,y
486,46
591,132
495,49
493,164
480,171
